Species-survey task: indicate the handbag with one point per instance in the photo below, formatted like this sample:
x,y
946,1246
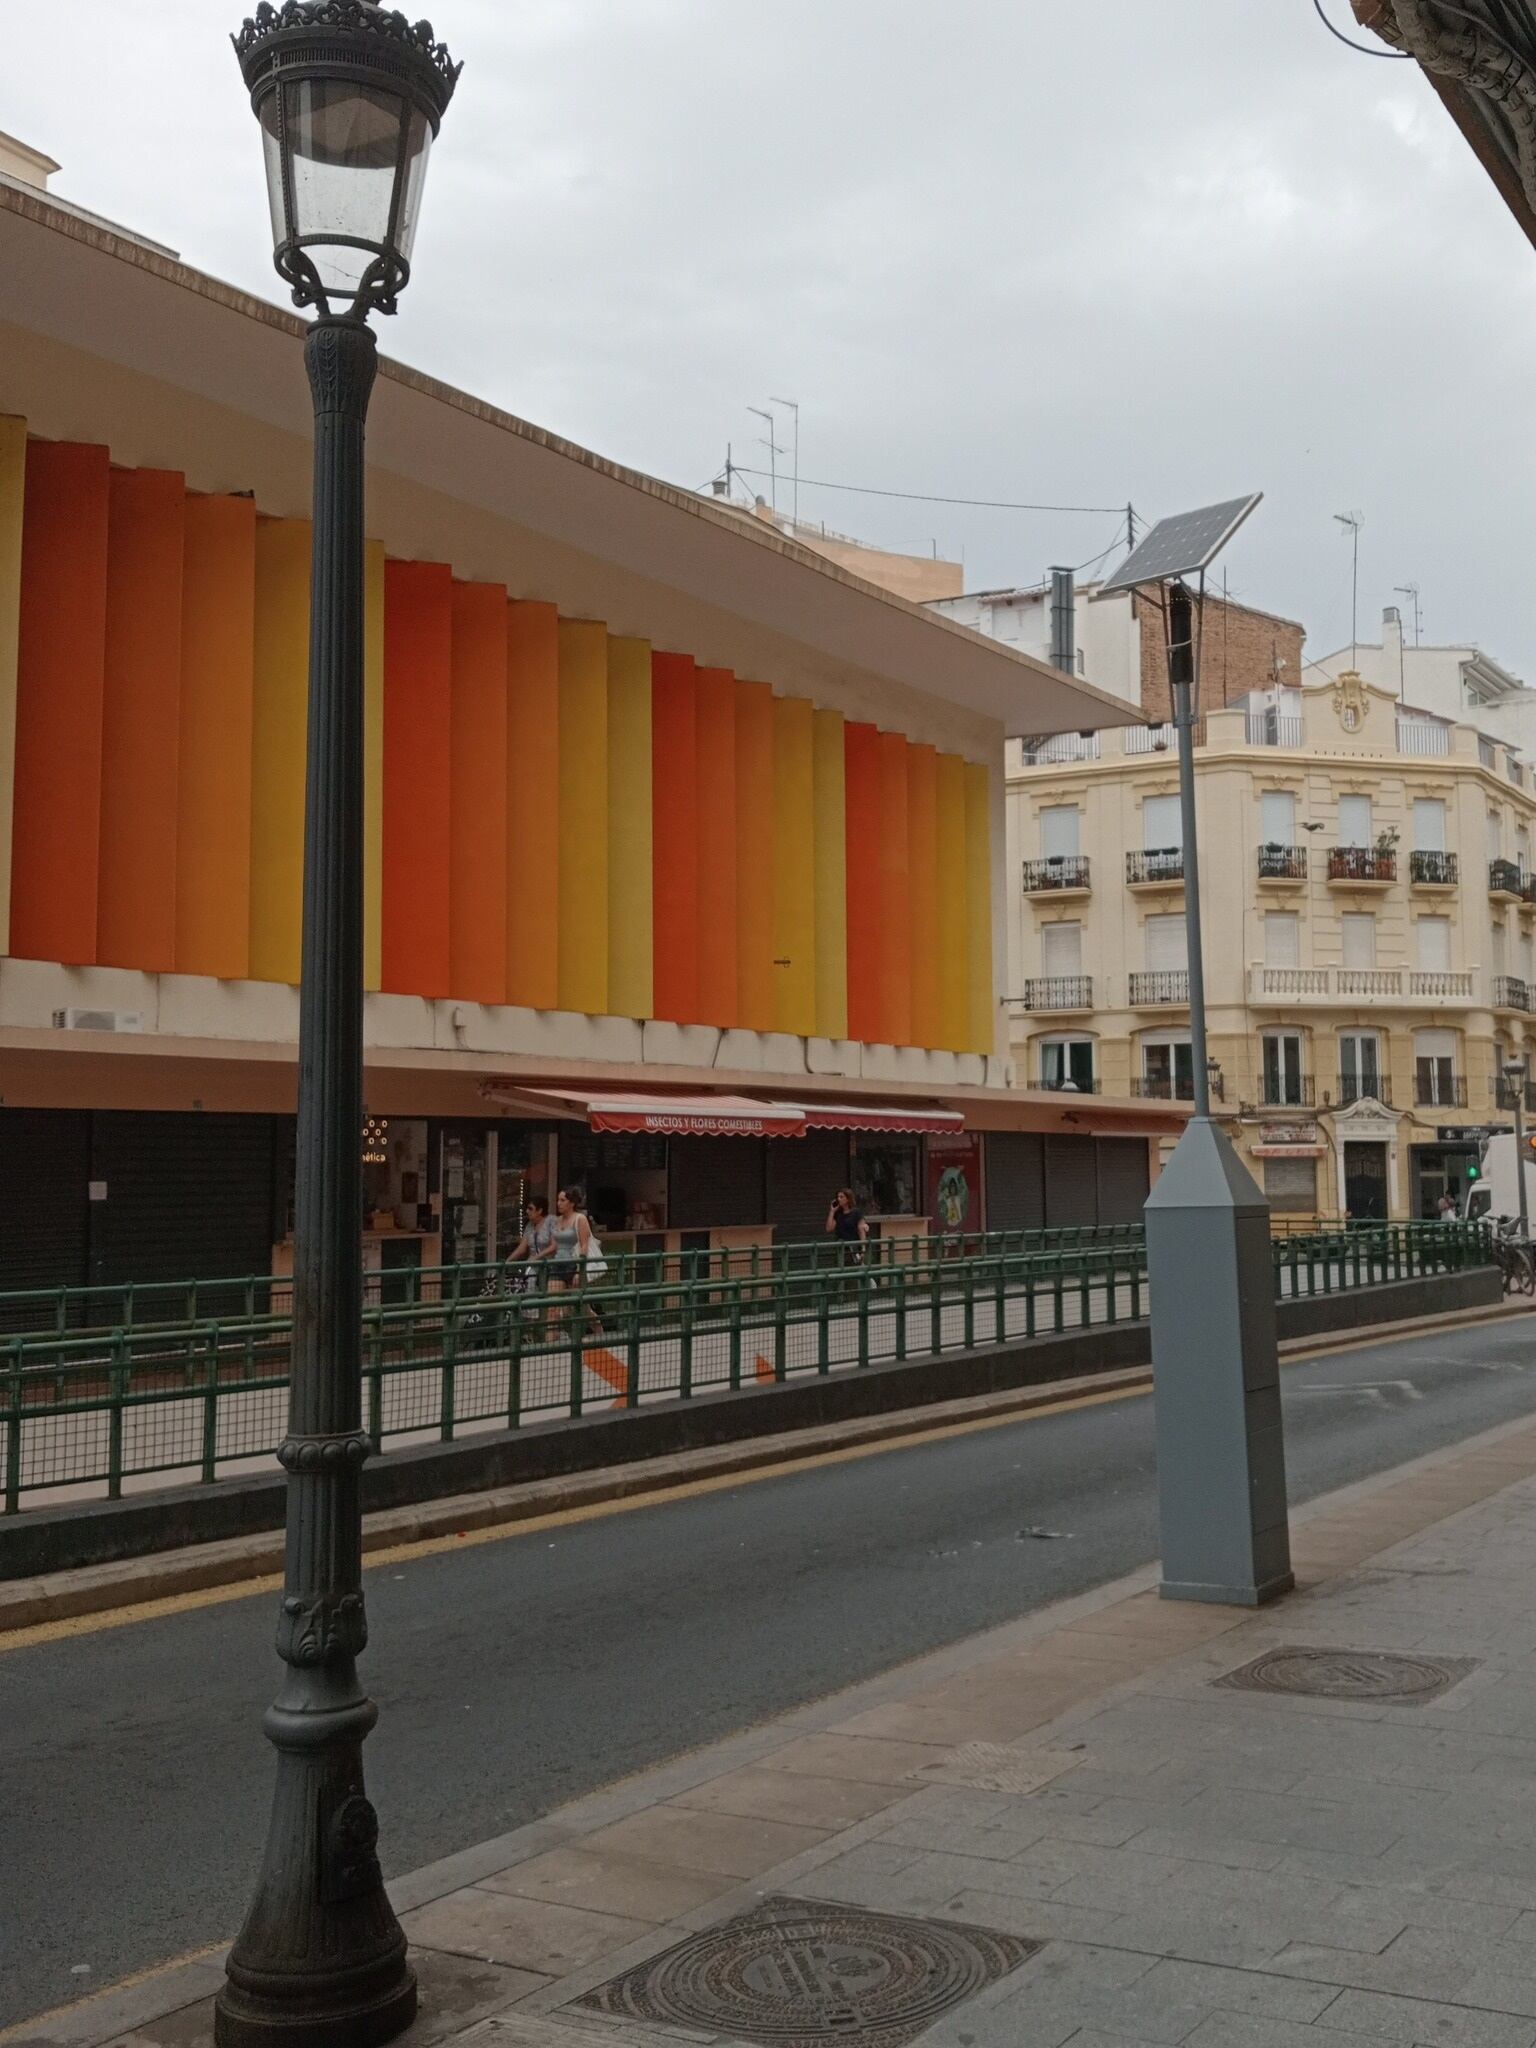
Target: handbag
x,y
594,1262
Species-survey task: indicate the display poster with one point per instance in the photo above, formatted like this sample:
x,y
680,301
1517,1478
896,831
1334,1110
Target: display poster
x,y
955,1204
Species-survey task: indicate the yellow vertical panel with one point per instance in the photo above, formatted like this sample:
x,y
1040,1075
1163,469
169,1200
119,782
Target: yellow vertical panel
x,y
830,851
794,865
278,725
373,764
923,865
13,478
629,828
583,850
978,907
954,984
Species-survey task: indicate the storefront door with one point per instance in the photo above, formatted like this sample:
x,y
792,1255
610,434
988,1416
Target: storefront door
x,y
1365,1182
1439,1170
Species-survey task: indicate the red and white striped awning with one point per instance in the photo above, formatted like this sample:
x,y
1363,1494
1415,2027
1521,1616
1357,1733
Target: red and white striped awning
x,y
721,1116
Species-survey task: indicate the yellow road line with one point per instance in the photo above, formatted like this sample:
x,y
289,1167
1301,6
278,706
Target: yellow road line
x,y
564,1518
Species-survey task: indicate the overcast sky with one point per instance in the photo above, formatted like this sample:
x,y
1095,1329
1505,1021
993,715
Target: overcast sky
x,y
1152,250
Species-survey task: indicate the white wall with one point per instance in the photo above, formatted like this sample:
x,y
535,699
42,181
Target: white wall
x,y
1108,639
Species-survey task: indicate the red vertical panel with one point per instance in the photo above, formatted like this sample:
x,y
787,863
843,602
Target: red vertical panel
x,y
533,805
477,816
418,775
141,721
756,996
862,814
59,687
675,837
716,728
895,901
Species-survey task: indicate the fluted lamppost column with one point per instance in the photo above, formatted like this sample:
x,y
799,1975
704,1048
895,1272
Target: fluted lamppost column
x,y
349,98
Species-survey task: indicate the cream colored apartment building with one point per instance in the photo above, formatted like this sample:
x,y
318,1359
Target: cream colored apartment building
x,y
1369,912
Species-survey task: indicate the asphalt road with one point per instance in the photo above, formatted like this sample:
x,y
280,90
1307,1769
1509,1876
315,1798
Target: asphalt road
x,y
519,1674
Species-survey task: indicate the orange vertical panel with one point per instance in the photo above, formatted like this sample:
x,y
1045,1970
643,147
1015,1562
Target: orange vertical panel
x,y
923,891
675,837
141,722
213,770
533,805
862,814
716,817
418,673
895,904
477,811
60,662
755,1002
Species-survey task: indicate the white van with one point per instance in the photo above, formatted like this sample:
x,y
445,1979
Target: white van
x,y
1497,1193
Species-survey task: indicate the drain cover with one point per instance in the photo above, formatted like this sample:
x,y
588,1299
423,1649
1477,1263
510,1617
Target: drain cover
x,y
1385,1677
797,1974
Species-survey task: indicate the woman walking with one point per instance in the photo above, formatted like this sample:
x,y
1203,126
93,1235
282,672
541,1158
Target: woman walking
x,y
574,1242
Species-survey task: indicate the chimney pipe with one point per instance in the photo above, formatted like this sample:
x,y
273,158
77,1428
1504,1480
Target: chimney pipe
x,y
1064,620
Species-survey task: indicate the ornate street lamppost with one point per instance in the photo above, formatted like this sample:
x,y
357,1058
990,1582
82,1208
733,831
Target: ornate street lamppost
x,y
349,98
1515,1072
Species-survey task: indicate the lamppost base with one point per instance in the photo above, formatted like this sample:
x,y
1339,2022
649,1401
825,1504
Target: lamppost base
x,y
243,2022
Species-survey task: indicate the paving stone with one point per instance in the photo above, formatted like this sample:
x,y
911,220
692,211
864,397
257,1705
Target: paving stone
x,y
1419,1964
1248,2030
817,1802
624,1885
524,1934
1253,1991
865,1759
726,1843
1414,2020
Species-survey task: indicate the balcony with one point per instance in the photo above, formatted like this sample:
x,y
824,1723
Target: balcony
x,y
1061,874
1069,1084
1282,863
1286,1091
1432,870
1061,746
1506,881
1505,1094
1273,729
1365,1087
1365,867
1418,736
1148,739
1158,868
1158,991
1326,986
1164,1087
1510,993
1057,992
1440,1091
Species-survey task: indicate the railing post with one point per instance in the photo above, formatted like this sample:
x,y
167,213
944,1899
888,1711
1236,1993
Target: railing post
x,y
781,1323
449,1372
685,1339
116,1376
970,1305
735,1329
373,1372
13,1439
864,1282
1058,1289
899,1309
515,1368
823,1328
578,1355
211,1409
632,1352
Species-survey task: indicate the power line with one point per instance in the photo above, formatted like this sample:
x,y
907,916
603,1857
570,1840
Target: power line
x,y
1361,49
933,498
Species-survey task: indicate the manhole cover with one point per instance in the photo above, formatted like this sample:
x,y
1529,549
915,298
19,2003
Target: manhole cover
x,y
794,1973
1385,1677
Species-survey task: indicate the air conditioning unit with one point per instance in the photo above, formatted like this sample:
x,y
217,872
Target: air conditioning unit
x,y
98,1020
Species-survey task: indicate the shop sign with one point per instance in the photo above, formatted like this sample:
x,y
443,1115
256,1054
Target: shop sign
x,y
1302,1133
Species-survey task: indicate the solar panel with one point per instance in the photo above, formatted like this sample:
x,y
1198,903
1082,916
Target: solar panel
x,y
1180,546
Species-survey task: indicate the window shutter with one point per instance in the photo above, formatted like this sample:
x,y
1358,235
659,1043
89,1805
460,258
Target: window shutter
x,y
1061,949
1282,938
1167,946
1161,823
1278,817
1434,942
1359,928
1060,831
1354,821
1428,824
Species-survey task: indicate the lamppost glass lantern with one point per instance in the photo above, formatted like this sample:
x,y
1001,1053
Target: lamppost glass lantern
x,y
350,97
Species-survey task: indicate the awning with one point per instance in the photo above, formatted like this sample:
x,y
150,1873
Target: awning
x,y
703,1115
892,1116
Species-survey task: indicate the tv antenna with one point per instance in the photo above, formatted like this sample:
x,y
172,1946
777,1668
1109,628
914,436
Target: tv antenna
x,y
774,452
793,405
1352,523
1411,591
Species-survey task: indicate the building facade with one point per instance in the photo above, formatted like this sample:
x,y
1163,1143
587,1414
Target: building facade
x,y
1369,919
684,845
1456,682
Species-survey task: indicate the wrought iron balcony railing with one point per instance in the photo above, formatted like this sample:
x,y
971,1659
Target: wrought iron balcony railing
x,y
1168,986
1070,1084
1164,1087
1510,993
1440,1091
1286,1091
1157,864
1505,878
1361,864
1366,1087
1058,992
1282,863
1433,870
1057,871
1506,1094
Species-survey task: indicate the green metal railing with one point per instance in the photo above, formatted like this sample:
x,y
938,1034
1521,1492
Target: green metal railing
x,y
94,1411
159,1304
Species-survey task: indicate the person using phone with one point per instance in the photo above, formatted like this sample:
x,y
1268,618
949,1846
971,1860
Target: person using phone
x,y
847,1222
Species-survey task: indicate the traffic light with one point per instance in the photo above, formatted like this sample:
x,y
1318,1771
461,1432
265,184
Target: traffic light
x,y
1474,1171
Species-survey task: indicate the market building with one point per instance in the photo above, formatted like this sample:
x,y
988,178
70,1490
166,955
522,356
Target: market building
x,y
685,845
1370,912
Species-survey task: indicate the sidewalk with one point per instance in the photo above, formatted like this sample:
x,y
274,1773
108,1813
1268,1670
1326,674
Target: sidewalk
x,y
1070,1826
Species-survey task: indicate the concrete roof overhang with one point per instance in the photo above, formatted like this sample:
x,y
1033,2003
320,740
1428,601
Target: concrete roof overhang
x,y
1474,75
78,284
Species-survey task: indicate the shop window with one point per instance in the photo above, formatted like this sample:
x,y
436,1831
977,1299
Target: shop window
x,y
885,1177
624,1176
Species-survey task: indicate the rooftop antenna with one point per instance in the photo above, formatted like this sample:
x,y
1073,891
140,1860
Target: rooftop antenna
x,y
1411,590
793,405
774,452
1352,523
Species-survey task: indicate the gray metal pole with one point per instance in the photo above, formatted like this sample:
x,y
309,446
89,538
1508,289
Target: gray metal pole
x,y
1525,1221
1181,675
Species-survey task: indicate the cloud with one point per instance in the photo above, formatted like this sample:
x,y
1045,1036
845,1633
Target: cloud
x,y
1091,254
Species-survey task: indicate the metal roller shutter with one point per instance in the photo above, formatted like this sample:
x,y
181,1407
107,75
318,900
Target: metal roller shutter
x,y
1125,1180
1015,1180
1071,1182
189,1197
45,1167
803,1176
714,1181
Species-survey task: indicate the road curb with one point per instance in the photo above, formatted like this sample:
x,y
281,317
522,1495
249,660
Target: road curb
x,y
135,1582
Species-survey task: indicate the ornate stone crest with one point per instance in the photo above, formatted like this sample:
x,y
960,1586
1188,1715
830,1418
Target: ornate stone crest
x,y
1351,700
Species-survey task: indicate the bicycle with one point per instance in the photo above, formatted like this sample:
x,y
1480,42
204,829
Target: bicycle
x,y
1515,1257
